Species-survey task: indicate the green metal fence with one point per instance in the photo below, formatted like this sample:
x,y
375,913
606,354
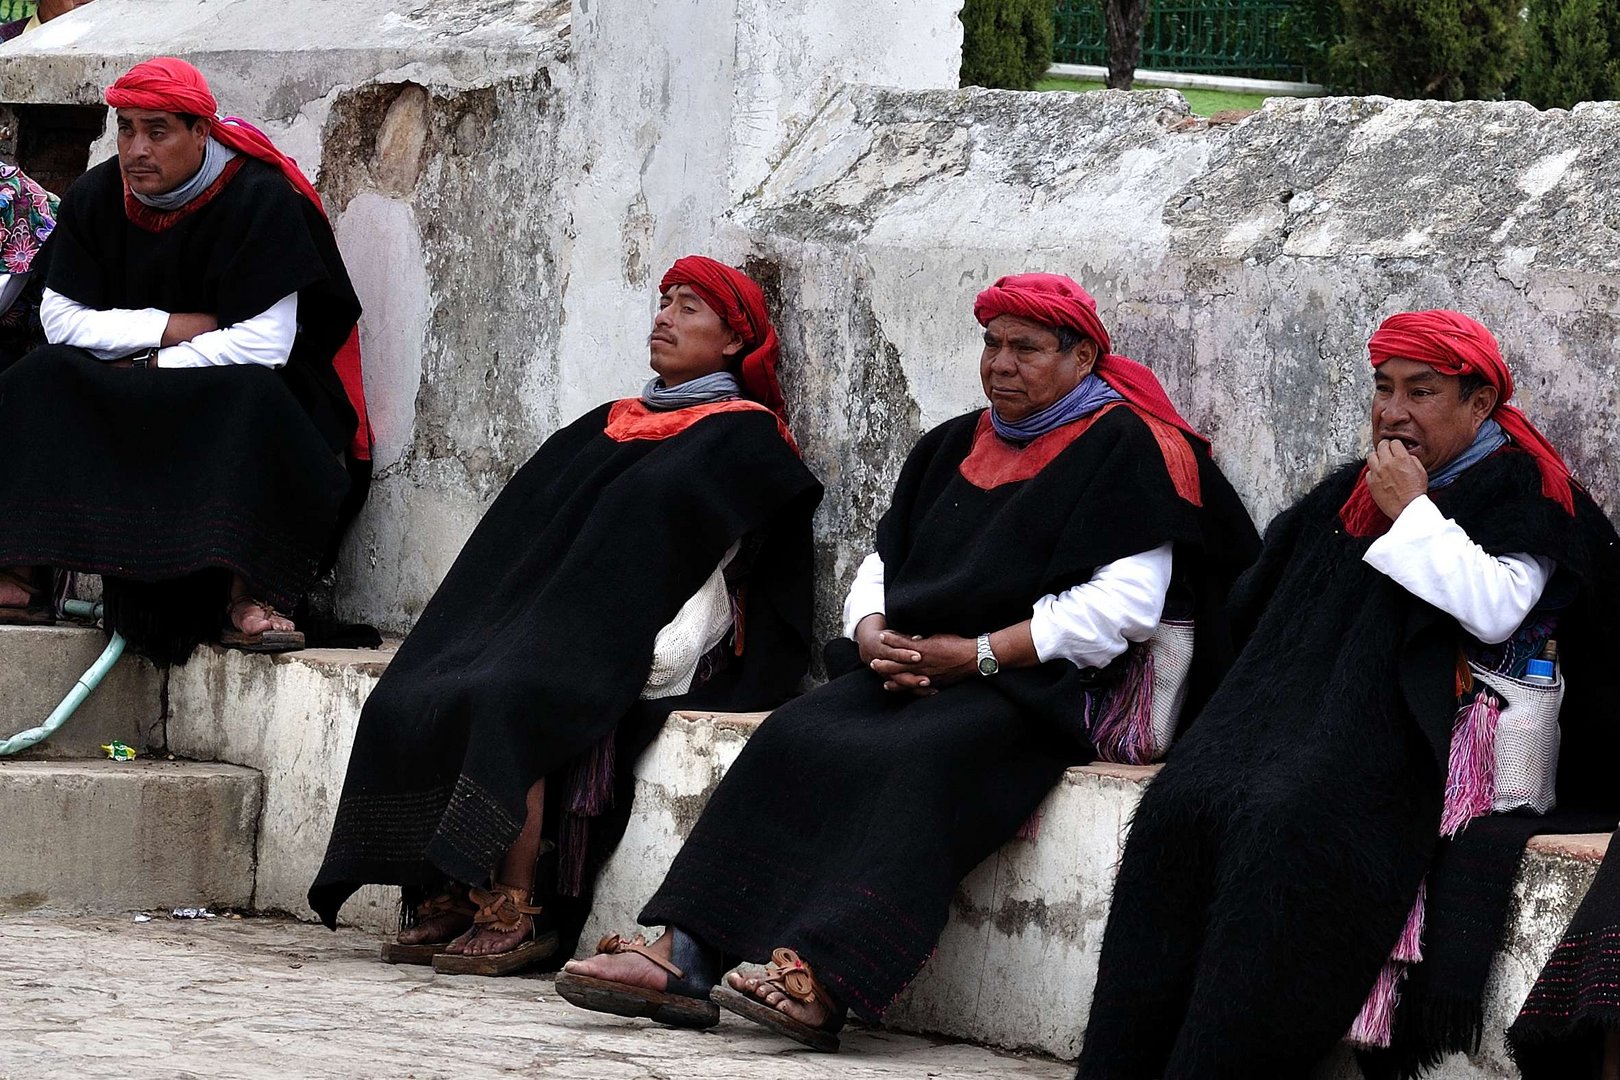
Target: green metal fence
x,y
1217,37
16,9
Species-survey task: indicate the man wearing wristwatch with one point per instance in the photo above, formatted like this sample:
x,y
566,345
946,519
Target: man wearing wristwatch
x,y
1026,547
205,481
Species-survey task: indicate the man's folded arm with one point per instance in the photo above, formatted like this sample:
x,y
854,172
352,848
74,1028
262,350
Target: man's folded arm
x,y
265,339
106,334
1434,559
1089,625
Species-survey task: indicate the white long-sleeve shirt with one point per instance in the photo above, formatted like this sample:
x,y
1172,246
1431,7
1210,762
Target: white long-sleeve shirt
x,y
1088,625
1433,558
265,339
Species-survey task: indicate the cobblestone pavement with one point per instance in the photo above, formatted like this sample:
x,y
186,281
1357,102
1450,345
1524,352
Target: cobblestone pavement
x,y
272,999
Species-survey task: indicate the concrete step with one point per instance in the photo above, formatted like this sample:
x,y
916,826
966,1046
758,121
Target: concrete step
x,y
291,717
105,836
1016,964
40,664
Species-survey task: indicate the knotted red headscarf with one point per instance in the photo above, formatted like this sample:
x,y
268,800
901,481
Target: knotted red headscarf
x,y
167,84
1056,300
740,302
1453,344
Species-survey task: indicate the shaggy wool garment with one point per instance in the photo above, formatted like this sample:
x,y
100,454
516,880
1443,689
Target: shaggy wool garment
x,y
845,826
529,659
1273,862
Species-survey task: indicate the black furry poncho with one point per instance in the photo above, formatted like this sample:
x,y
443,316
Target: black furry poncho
x,y
531,656
1273,861
846,824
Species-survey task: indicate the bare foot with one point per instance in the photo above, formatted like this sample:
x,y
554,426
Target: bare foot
x,y
627,968
13,595
436,928
817,1014
255,617
492,941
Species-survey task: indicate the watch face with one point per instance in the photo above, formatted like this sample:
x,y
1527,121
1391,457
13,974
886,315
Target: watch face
x,y
988,665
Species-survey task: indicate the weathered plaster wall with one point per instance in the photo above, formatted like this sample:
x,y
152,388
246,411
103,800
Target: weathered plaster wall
x,y
1246,264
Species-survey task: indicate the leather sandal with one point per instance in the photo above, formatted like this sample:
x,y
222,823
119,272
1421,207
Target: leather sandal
x,y
37,612
684,1001
502,908
446,903
789,975
265,641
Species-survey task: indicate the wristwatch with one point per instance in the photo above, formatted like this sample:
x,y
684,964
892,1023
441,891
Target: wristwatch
x,y
146,358
987,659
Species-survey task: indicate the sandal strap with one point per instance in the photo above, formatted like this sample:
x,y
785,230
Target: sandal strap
x,y
446,903
269,609
502,906
793,977
613,943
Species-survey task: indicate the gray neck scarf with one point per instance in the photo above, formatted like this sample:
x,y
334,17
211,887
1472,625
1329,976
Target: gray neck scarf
x,y
720,386
1487,440
216,155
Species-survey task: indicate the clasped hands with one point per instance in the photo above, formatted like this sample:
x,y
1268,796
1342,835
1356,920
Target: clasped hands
x,y
916,665
1394,477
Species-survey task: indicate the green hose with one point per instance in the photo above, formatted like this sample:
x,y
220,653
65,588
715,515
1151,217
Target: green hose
x,y
81,690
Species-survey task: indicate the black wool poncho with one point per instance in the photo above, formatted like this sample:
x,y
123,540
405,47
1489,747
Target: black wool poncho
x,y
536,646
1272,863
847,822
164,480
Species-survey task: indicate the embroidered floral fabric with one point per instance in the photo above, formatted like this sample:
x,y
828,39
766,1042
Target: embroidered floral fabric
x,y
27,216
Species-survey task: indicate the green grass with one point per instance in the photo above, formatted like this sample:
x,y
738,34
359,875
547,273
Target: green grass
x,y
1203,102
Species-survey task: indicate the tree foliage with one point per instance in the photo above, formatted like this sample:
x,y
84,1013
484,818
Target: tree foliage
x,y
1572,52
1006,43
1428,48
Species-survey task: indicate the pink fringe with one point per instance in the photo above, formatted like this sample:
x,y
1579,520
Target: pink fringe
x,y
1375,1024
1031,829
1471,770
590,793
1409,949
1123,729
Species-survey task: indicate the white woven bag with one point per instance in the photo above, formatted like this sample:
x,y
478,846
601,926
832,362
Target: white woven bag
x,y
1172,649
700,625
1527,738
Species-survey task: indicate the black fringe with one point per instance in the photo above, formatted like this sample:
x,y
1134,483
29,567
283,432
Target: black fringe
x,y
165,621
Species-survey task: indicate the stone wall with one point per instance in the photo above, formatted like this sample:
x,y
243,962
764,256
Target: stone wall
x,y
1246,264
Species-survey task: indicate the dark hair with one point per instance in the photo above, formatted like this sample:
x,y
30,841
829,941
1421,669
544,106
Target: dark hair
x,y
1468,385
1068,337
189,119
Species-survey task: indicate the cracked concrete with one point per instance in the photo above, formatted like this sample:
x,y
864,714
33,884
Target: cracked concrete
x,y
268,999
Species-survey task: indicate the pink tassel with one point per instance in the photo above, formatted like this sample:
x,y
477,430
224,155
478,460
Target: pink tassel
x,y
1409,949
590,793
1123,731
1031,829
1471,770
1375,1024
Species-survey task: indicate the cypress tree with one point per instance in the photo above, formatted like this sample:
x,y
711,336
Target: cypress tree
x,y
1006,43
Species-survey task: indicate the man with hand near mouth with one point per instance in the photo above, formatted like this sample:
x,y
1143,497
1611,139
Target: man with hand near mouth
x,y
1322,843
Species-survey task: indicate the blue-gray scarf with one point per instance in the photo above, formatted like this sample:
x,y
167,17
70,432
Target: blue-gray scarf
x,y
720,386
216,155
1089,395
1487,440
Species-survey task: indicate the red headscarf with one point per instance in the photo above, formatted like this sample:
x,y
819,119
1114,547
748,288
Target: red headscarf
x,y
1453,344
738,300
1056,300
170,85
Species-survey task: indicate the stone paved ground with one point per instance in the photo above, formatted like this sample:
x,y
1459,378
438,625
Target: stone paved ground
x,y
272,999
